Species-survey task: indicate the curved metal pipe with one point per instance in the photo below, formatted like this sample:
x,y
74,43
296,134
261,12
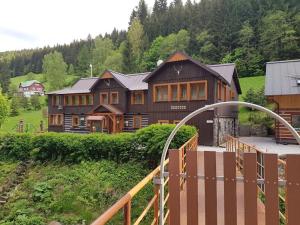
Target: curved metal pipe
x,y
198,111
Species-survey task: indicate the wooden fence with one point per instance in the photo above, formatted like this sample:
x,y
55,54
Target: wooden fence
x,y
269,168
125,202
262,176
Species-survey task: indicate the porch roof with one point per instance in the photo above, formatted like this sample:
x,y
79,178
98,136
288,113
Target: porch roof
x,y
110,108
95,118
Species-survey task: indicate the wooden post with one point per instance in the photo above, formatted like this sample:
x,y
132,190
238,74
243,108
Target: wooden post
x,y
192,187
21,126
156,204
293,190
271,189
42,126
210,188
250,188
174,186
230,198
127,213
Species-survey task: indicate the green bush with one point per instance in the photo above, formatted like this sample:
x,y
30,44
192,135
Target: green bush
x,y
151,140
15,146
144,145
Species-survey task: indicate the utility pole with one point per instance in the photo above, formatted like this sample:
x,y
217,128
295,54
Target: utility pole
x,y
91,66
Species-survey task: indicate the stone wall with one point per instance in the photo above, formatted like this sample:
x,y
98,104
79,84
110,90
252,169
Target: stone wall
x,y
223,127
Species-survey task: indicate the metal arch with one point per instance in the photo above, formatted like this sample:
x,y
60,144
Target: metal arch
x,y
198,111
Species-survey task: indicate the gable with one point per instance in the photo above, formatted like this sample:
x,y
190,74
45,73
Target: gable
x,y
180,57
106,75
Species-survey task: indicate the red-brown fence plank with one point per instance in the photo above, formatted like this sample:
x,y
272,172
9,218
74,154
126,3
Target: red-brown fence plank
x,y
230,199
250,189
174,186
192,187
210,188
293,189
271,189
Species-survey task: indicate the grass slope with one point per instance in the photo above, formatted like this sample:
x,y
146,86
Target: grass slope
x,y
246,83
72,193
6,168
251,82
32,118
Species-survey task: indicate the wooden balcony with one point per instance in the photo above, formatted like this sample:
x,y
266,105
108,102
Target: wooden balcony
x,y
240,186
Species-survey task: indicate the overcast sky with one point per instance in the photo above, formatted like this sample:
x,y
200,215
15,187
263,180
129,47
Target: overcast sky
x,y
37,23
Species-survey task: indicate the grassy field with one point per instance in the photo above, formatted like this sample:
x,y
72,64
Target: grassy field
x,y
246,83
32,118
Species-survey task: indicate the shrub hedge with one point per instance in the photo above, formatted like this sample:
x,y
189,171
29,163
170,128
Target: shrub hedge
x,y
145,145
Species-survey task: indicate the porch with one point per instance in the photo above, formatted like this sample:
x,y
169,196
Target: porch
x,y
105,118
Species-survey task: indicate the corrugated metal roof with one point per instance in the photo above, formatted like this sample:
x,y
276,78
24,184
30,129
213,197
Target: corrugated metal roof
x,y
281,77
82,86
29,83
225,70
132,81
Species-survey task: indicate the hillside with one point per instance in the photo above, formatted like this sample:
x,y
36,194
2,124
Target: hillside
x,y
40,77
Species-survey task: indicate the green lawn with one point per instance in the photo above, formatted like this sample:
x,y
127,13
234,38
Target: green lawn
x,y
246,83
251,82
32,118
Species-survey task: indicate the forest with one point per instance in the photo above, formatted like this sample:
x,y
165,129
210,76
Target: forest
x,y
246,32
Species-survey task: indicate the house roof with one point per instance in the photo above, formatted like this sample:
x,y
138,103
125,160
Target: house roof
x,y
180,56
228,72
82,86
282,77
29,83
131,81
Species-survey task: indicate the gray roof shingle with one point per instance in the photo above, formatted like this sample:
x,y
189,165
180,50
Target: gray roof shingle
x,y
225,70
132,81
281,77
82,86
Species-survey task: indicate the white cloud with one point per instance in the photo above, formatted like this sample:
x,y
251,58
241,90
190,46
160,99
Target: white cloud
x,y
37,23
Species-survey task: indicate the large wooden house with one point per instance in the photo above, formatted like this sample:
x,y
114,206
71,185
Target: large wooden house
x,y
283,88
117,102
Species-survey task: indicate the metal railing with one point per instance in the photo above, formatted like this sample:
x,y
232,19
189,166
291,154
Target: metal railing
x,y
125,202
235,145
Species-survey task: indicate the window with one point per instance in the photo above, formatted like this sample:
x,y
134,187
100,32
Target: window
x,y
183,96
56,119
104,98
225,92
161,93
55,100
89,99
198,91
219,90
137,122
296,122
137,97
68,100
75,100
163,121
82,100
82,121
114,98
75,121
232,95
174,92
